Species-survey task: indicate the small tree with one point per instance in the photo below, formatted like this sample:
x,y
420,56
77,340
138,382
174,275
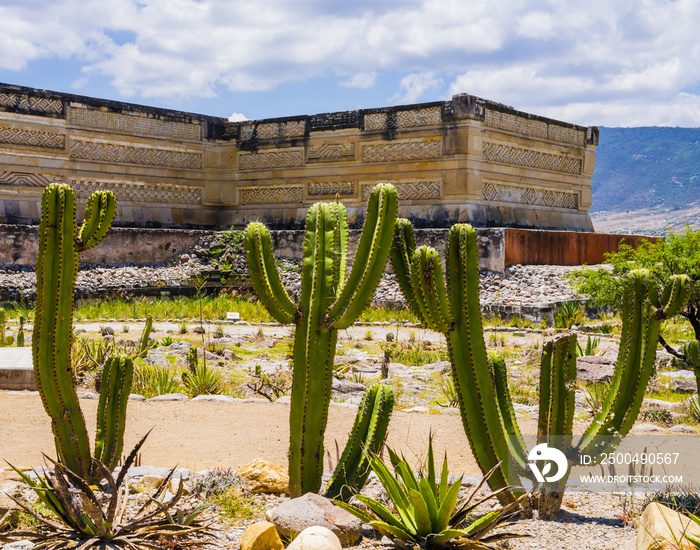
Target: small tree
x,y
678,254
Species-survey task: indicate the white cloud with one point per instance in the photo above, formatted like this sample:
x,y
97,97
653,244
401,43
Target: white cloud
x,y
360,80
626,59
237,117
413,86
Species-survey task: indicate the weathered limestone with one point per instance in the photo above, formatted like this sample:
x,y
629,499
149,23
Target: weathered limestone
x,y
661,528
261,535
463,160
261,476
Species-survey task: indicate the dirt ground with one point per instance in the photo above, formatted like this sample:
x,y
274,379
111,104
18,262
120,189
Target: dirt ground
x,y
205,435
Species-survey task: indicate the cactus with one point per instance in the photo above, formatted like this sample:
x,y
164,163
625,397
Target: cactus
x,y
691,352
485,405
327,302
20,332
192,361
4,340
366,439
57,266
144,342
117,377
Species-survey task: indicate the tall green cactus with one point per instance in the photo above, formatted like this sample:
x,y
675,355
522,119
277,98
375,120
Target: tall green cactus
x,y
485,405
144,342
57,267
327,302
366,440
691,352
20,332
4,340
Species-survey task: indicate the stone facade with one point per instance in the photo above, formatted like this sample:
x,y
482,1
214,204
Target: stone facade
x,y
463,160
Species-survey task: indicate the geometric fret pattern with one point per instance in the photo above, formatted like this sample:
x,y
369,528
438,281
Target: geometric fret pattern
x,y
148,156
534,128
26,179
406,150
271,195
504,192
274,130
18,136
531,159
396,120
332,151
31,103
277,159
331,188
409,190
132,124
137,192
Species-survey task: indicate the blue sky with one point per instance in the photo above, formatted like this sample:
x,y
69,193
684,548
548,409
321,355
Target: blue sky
x,y
599,62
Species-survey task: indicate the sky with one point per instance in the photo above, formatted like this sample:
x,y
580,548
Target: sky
x,y
592,62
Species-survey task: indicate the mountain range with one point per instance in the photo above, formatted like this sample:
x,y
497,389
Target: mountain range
x,y
646,180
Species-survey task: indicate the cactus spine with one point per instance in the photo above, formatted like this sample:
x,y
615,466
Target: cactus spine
x,y
366,440
485,405
327,302
57,266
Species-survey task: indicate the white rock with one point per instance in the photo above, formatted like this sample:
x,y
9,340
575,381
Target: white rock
x,y
316,538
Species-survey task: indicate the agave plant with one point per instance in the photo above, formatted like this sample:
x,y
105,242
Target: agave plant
x,y
427,511
88,518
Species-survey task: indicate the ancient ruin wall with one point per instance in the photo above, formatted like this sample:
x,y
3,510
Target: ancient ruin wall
x,y
463,160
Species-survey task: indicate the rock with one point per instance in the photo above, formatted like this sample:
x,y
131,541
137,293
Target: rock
x,y
418,409
646,428
687,374
261,536
594,368
9,487
157,361
89,395
169,397
136,397
440,366
261,476
660,527
683,429
346,386
658,403
107,331
315,538
215,398
309,510
19,545
683,385
284,400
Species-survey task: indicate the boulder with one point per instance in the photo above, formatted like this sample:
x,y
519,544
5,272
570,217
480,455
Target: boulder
x,y
261,476
315,538
594,368
310,510
261,536
647,428
683,385
169,397
662,528
157,361
346,386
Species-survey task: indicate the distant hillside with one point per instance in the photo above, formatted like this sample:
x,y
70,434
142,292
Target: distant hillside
x,y
646,180
645,167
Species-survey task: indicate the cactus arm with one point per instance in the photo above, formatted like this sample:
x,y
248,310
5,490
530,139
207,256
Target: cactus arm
x,y
57,264
516,443
111,411
370,259
402,248
366,439
264,275
99,214
560,402
479,411
429,285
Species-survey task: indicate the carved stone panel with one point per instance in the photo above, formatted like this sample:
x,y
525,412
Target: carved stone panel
x,y
409,190
332,151
274,130
31,103
148,156
396,120
518,156
93,118
19,136
271,195
331,188
402,150
138,192
275,159
26,179
504,192
533,127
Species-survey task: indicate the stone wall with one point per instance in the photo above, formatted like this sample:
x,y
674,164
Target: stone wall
x,y
463,160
